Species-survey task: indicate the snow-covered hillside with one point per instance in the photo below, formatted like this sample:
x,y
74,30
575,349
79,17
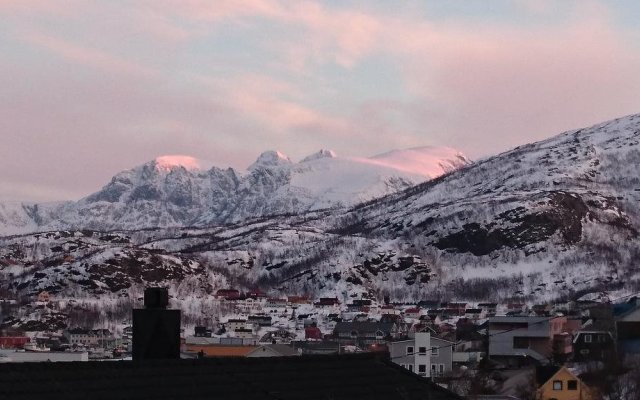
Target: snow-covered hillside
x,y
557,218
179,191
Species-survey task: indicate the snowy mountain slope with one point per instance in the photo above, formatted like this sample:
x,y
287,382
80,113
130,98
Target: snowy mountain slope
x,y
566,210
557,218
588,175
173,191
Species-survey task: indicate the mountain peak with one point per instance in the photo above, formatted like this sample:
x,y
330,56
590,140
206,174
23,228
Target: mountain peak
x,y
323,153
169,162
271,158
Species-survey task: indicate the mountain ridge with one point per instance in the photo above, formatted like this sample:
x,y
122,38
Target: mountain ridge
x,y
178,190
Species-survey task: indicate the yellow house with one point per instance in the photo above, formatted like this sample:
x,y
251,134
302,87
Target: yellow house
x,y
558,383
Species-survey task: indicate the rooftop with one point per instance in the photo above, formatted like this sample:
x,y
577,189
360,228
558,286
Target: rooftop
x,y
362,376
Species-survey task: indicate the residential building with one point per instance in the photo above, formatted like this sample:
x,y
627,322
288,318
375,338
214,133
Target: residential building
x,y
489,309
313,333
228,294
628,327
298,300
275,304
441,356
628,335
259,320
413,354
13,342
15,356
524,340
367,333
278,336
389,309
202,331
327,302
593,346
429,304
516,308
243,333
359,305
559,383
474,313
248,305
235,324
90,337
414,312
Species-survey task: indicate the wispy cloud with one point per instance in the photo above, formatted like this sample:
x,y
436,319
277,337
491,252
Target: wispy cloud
x,y
88,56
111,84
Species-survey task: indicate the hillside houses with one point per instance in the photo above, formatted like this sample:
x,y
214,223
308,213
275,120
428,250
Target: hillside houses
x,y
459,333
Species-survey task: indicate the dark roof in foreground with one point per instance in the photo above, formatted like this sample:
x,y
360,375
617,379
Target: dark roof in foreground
x,y
361,376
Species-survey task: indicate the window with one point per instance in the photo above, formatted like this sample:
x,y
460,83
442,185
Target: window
x,y
441,368
557,385
411,367
587,338
422,368
409,350
422,351
572,384
434,351
520,342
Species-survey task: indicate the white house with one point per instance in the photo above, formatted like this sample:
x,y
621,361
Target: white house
x,y
413,354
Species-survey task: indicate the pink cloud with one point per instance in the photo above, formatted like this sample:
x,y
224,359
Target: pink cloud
x,y
62,7
89,56
513,85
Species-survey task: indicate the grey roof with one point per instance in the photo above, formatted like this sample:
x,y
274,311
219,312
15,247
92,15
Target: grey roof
x,y
518,319
282,349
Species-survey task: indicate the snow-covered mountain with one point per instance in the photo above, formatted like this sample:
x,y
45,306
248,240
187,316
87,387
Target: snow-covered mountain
x,y
179,191
557,218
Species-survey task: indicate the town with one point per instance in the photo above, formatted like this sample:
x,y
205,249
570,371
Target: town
x,y
513,349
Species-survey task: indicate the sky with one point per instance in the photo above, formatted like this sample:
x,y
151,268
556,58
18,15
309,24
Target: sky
x,y
90,88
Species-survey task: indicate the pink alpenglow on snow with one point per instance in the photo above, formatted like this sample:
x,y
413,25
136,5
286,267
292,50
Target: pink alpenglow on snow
x,y
428,161
169,162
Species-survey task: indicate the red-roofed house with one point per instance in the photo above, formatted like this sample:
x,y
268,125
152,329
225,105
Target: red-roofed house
x,y
313,333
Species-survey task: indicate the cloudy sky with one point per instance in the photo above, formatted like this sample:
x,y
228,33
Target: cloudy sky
x,y
89,88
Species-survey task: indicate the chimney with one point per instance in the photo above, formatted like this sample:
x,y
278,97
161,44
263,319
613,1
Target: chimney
x,y
156,330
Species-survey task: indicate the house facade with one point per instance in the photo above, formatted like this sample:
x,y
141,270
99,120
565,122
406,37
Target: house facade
x,y
561,385
441,356
413,354
90,338
593,346
524,340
